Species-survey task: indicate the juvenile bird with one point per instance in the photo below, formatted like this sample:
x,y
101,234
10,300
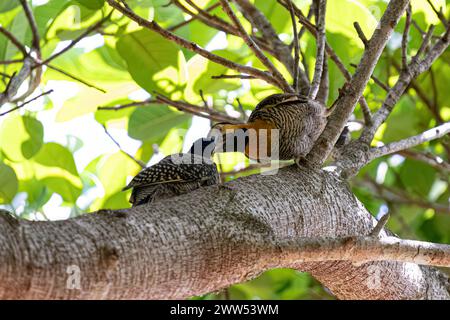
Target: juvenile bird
x,y
297,119
176,174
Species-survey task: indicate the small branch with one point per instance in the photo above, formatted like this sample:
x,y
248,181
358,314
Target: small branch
x,y
425,42
355,87
139,162
380,225
405,37
415,68
438,13
360,33
196,110
278,77
364,249
25,103
320,54
152,25
430,159
281,51
410,142
296,46
35,78
76,40
324,88
193,18
6,62
233,76
396,196
14,41
129,105
76,78
34,28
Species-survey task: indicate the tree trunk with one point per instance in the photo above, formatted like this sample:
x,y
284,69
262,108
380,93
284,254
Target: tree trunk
x,y
202,242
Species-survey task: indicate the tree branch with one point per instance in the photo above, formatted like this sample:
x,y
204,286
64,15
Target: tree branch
x,y
152,25
320,54
139,162
410,142
256,50
355,87
157,248
415,68
281,51
14,41
25,103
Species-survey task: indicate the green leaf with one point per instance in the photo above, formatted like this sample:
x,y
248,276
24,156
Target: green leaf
x,y
92,4
417,176
341,15
8,183
8,5
154,122
55,166
21,137
154,62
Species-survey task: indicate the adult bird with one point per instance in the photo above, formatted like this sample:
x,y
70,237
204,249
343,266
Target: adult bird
x,y
281,127
176,174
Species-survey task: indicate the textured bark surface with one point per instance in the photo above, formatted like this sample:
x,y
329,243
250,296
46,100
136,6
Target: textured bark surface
x,y
202,242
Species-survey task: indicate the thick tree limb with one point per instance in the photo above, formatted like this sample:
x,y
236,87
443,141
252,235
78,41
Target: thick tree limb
x,y
213,237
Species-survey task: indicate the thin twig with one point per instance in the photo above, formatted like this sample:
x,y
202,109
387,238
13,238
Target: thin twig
x,y
76,40
14,40
410,142
430,159
320,54
278,77
438,13
139,162
380,225
360,33
296,46
152,25
128,105
193,18
5,62
405,37
377,81
76,78
425,42
26,102
196,110
233,76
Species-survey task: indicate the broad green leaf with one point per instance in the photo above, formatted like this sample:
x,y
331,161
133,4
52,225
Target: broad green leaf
x,y
154,62
21,137
341,15
92,4
417,177
201,71
88,99
54,165
154,122
8,5
8,183
122,166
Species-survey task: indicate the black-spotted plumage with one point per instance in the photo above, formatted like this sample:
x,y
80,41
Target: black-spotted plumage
x,y
175,174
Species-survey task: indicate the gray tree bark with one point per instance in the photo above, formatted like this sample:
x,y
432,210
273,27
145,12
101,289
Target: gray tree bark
x,y
202,242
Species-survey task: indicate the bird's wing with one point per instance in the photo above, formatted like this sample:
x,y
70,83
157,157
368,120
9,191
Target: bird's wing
x,y
168,171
